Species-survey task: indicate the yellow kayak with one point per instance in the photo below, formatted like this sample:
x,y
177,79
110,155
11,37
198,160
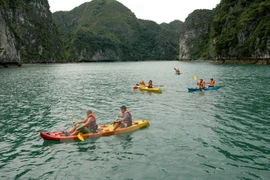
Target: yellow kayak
x,y
145,88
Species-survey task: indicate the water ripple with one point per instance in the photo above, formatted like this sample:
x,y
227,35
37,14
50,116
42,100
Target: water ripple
x,y
204,135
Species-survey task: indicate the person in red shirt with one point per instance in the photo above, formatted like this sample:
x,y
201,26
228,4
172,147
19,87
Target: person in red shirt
x,y
150,84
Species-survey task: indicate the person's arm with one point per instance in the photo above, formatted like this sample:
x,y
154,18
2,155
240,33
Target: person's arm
x,y
81,121
127,116
86,122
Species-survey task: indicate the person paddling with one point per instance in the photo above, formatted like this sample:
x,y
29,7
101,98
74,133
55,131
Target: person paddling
x,y
212,83
142,83
124,120
201,84
87,125
177,70
150,84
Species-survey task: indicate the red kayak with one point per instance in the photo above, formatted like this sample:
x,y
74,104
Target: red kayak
x,y
104,131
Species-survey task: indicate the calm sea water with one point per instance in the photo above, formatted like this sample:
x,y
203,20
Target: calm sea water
x,y
222,134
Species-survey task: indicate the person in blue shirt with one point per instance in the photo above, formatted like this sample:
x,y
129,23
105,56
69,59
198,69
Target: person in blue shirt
x,y
124,120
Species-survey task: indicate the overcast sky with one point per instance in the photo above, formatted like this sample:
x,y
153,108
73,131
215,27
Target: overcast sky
x,y
156,10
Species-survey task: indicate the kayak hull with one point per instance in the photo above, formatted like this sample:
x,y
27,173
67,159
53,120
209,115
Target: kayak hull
x,y
60,136
156,90
204,89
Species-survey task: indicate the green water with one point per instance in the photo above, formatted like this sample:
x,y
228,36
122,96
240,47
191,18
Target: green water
x,y
222,134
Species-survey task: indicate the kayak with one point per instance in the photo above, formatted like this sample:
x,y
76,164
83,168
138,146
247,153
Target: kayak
x,y
145,88
102,131
204,89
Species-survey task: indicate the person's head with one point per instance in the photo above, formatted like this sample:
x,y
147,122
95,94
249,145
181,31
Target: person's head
x,y
150,81
123,109
211,79
201,80
89,112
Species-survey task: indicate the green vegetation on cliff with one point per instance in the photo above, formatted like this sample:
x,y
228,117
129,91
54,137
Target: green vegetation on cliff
x,y
36,37
103,30
194,36
235,29
241,29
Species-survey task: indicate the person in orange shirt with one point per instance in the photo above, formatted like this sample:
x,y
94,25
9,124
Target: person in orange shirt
x,y
124,120
150,84
201,84
142,83
212,83
89,124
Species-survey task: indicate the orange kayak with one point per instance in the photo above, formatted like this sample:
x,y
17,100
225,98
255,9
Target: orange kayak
x,y
104,131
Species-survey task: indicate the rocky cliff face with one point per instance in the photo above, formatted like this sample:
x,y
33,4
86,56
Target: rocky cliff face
x,y
241,30
8,43
194,35
28,33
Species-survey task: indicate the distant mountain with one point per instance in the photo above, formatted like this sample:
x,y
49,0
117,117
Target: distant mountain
x,y
175,25
104,30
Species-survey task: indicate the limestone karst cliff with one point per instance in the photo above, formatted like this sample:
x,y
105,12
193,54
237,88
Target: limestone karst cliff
x,y
28,33
235,31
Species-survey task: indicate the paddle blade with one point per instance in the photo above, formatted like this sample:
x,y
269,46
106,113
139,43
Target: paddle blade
x,y
80,137
73,120
195,78
135,87
110,127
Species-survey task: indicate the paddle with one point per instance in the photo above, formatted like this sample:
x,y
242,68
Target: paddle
x,y
111,126
135,87
159,85
80,137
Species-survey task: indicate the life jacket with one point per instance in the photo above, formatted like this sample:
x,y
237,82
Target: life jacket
x,y
128,121
93,123
202,84
212,83
150,85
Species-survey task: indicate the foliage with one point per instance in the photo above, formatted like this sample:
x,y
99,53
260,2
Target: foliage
x,y
37,38
107,25
241,30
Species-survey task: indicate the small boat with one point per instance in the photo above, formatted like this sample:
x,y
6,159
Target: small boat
x,y
203,89
103,131
145,88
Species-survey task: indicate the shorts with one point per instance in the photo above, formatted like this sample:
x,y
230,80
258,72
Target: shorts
x,y
123,125
85,129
